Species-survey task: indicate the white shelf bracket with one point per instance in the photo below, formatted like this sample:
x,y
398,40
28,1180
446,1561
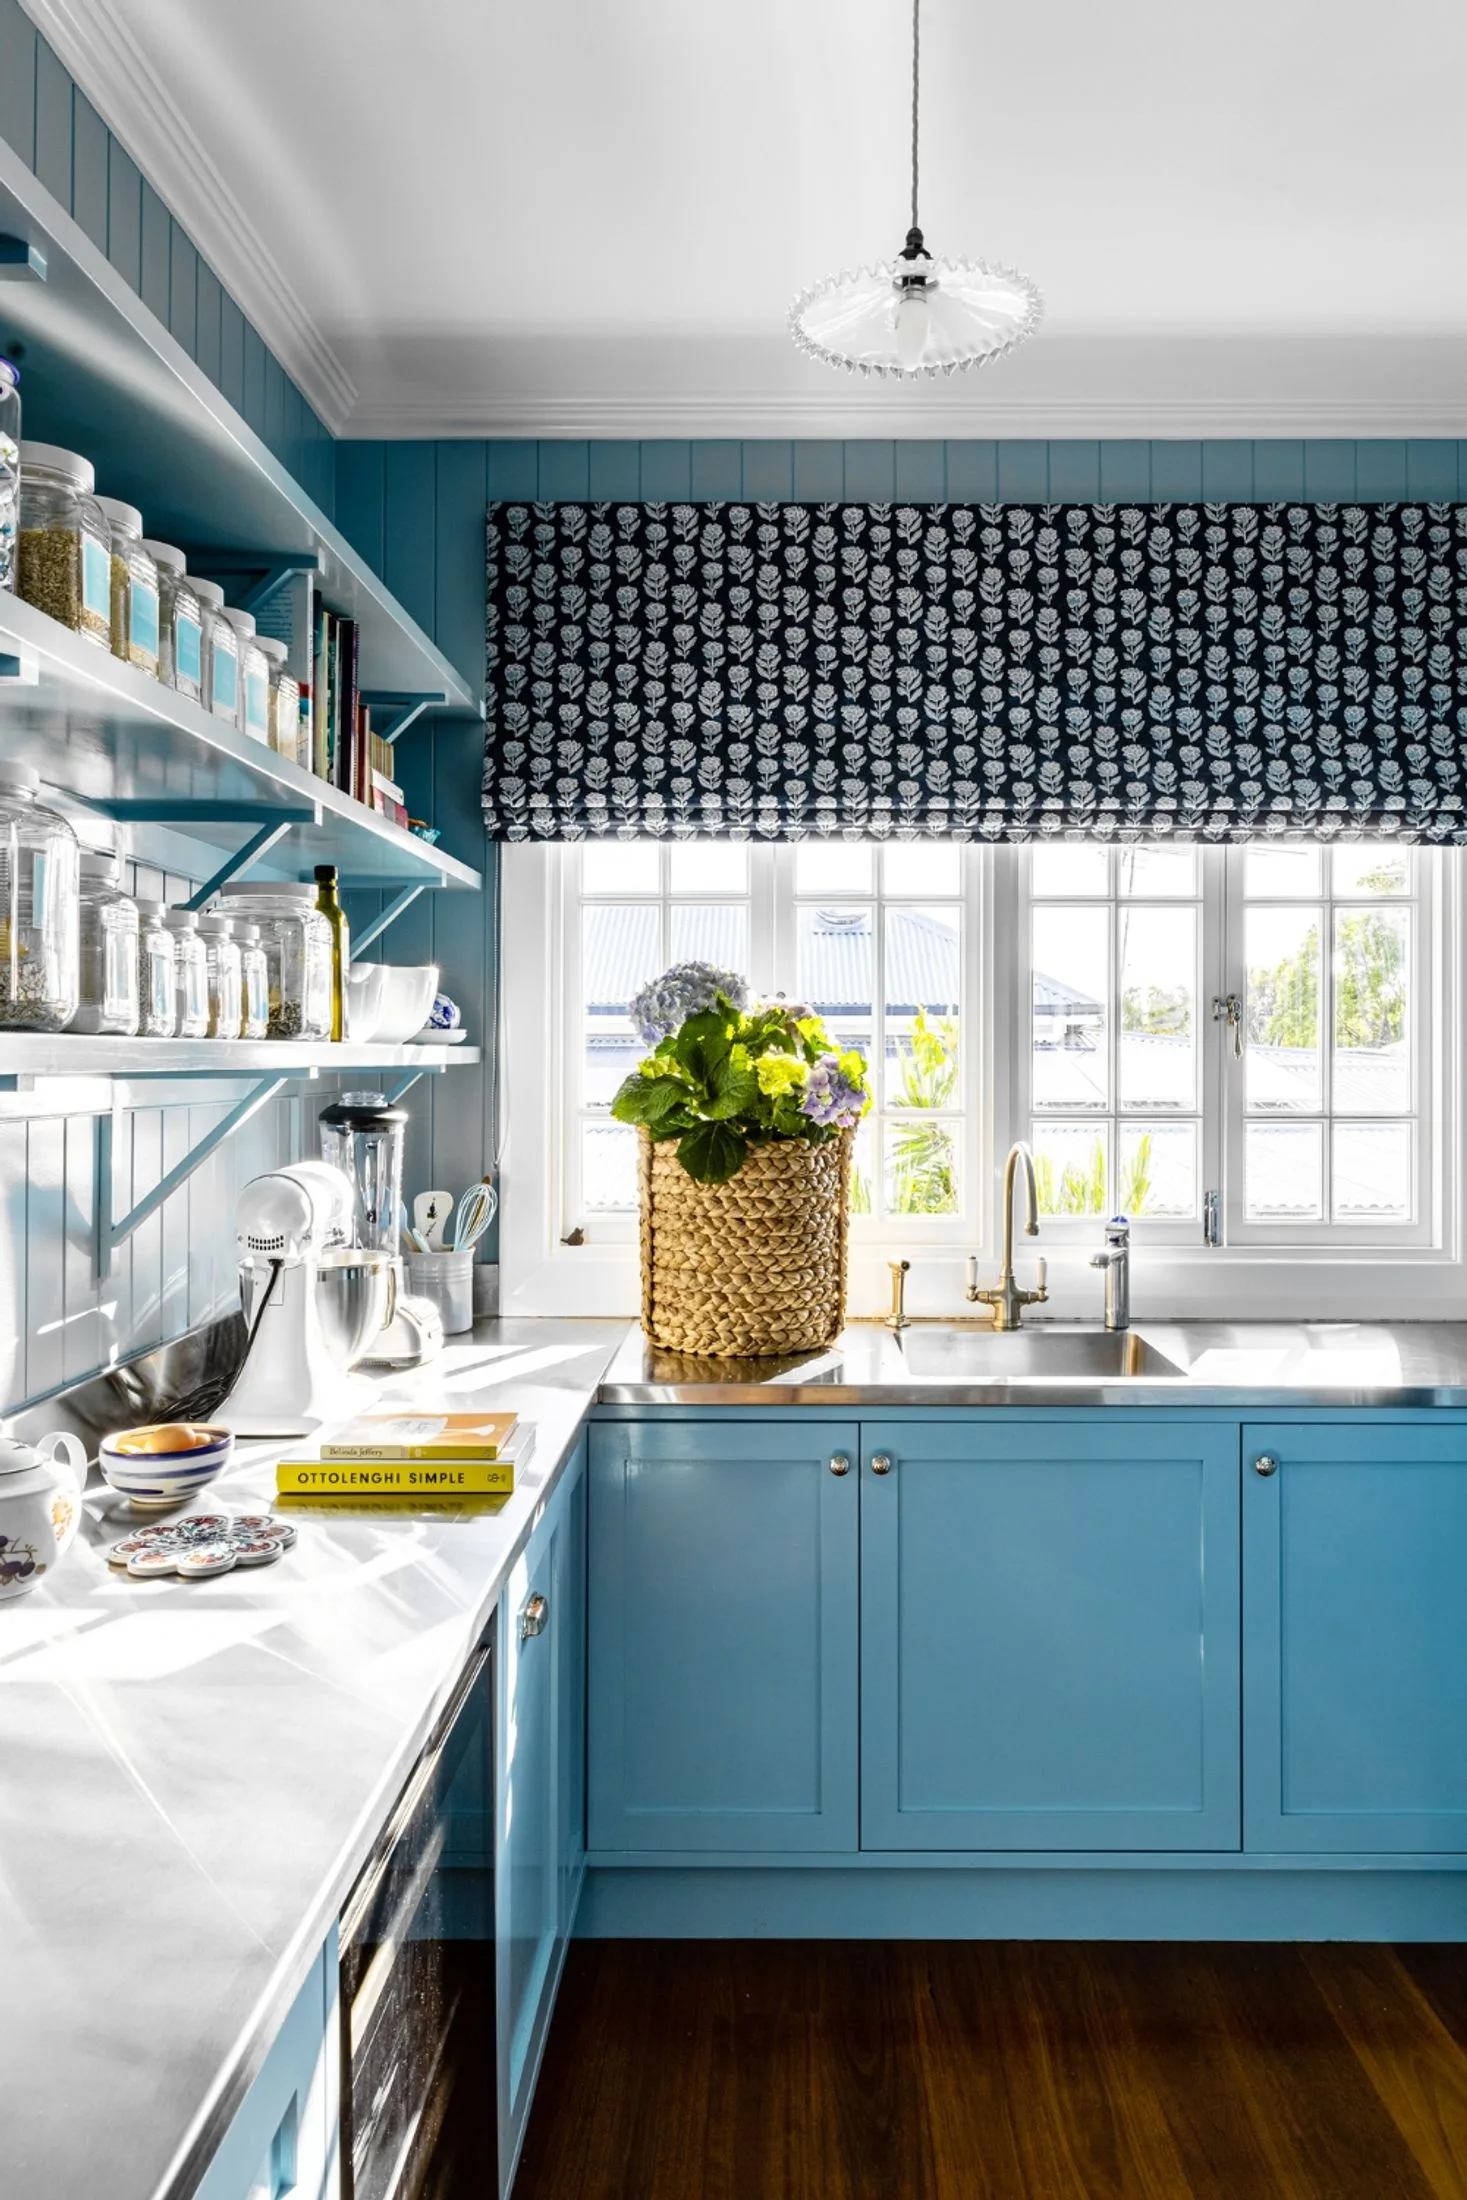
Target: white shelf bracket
x,y
401,900
113,1229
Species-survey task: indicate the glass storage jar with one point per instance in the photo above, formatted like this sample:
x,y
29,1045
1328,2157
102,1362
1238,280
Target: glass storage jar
x,y
255,979
254,678
297,943
9,469
225,976
190,975
180,629
39,915
109,948
155,972
65,563
285,701
221,654
134,587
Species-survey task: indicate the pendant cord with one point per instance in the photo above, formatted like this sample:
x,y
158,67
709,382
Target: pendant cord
x,y
916,81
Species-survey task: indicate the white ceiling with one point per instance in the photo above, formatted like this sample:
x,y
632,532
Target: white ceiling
x,y
588,216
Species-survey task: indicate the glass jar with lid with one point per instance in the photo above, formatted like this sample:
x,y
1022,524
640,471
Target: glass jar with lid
x,y
180,628
65,562
39,914
297,943
285,700
221,654
190,975
255,979
254,677
156,1006
225,975
9,469
134,587
109,948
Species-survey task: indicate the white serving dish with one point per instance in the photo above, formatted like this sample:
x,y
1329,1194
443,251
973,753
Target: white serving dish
x,y
407,996
431,1036
365,988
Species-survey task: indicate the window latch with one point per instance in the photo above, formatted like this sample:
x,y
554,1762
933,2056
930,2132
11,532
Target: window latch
x,y
1227,1008
1211,1219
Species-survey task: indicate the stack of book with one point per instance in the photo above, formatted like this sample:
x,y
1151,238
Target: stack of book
x,y
392,1456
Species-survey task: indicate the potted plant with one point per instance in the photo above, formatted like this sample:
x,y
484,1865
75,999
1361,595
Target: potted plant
x,y
747,1113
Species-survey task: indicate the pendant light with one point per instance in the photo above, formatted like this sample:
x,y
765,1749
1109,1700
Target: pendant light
x,y
918,314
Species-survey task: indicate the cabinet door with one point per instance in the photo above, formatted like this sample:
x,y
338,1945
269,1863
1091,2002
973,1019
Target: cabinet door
x,y
723,1635
1355,1648
1049,1647
570,1654
283,2138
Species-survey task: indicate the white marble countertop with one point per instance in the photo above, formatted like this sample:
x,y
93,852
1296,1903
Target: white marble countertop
x,y
191,1775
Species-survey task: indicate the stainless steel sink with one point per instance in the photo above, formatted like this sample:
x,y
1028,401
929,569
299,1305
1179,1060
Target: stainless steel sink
x,y
1036,1355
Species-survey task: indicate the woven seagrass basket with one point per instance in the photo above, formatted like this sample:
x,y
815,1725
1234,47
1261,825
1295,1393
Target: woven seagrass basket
x,y
751,1267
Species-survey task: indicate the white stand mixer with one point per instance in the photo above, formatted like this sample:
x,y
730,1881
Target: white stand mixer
x,y
313,1302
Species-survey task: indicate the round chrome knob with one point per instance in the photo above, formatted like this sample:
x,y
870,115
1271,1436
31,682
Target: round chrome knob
x,y
840,1464
881,1463
1265,1463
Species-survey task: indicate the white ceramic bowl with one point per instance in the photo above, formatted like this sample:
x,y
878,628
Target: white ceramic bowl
x,y
407,996
164,1464
365,986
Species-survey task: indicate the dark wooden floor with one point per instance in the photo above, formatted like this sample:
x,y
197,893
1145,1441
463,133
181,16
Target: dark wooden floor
x,y
754,2070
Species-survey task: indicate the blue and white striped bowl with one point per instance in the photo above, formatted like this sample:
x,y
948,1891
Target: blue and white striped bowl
x,y
144,1465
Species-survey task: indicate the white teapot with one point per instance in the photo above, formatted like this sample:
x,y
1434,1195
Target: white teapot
x,y
40,1506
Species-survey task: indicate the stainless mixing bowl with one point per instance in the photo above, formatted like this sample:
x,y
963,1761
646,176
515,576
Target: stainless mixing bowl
x,y
356,1297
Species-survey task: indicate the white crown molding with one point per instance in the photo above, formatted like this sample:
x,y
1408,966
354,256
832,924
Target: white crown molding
x,y
93,41
889,414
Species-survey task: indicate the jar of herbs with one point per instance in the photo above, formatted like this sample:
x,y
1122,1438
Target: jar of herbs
x,y
225,975
221,654
134,587
180,627
109,948
156,1005
65,563
190,975
285,701
255,979
254,678
9,469
297,942
39,913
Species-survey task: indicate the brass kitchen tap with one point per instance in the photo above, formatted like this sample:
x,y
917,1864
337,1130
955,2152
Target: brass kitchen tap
x,y
1005,1297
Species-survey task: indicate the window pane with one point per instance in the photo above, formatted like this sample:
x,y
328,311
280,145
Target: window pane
x,y
1372,1062
1158,1170
1282,1170
715,932
709,867
1371,1165
833,867
863,1171
921,867
921,1169
1282,1013
1071,1055
619,867
1068,867
837,967
1367,871
1144,870
1070,1164
1276,871
1158,1047
621,948
922,983
608,1168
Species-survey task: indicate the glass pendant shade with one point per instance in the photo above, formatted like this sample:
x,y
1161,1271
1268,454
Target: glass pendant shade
x,y
879,320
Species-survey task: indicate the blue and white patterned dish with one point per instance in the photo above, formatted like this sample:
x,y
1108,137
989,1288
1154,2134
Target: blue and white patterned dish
x,y
170,1473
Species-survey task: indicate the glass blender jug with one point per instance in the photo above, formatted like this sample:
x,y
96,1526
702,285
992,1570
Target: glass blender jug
x,y
361,1134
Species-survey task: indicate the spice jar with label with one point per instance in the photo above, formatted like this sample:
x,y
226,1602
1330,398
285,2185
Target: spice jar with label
x,y
39,913
65,563
255,977
134,587
109,948
155,972
9,469
221,654
297,942
254,678
225,976
180,631
285,700
190,975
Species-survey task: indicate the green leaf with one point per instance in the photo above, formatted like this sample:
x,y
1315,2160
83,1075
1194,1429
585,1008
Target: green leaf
x,y
712,1152
647,1099
733,1087
703,1042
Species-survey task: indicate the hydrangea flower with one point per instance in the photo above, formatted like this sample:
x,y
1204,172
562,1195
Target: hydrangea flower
x,y
834,1096
779,1073
685,990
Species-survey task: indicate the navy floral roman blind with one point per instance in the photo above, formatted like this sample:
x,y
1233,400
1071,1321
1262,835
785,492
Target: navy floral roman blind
x,y
994,672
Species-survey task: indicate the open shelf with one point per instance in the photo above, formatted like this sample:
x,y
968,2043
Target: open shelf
x,y
73,1054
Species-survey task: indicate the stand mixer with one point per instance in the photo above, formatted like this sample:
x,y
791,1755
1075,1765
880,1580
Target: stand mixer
x,y
313,1301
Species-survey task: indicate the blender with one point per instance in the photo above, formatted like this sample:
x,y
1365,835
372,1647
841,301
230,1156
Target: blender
x,y
362,1135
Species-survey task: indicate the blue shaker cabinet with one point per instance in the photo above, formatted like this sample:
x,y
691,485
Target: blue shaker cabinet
x,y
723,1659
1355,1643
283,2137
1050,1634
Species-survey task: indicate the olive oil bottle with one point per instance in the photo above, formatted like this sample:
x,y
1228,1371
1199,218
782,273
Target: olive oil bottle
x,y
328,901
